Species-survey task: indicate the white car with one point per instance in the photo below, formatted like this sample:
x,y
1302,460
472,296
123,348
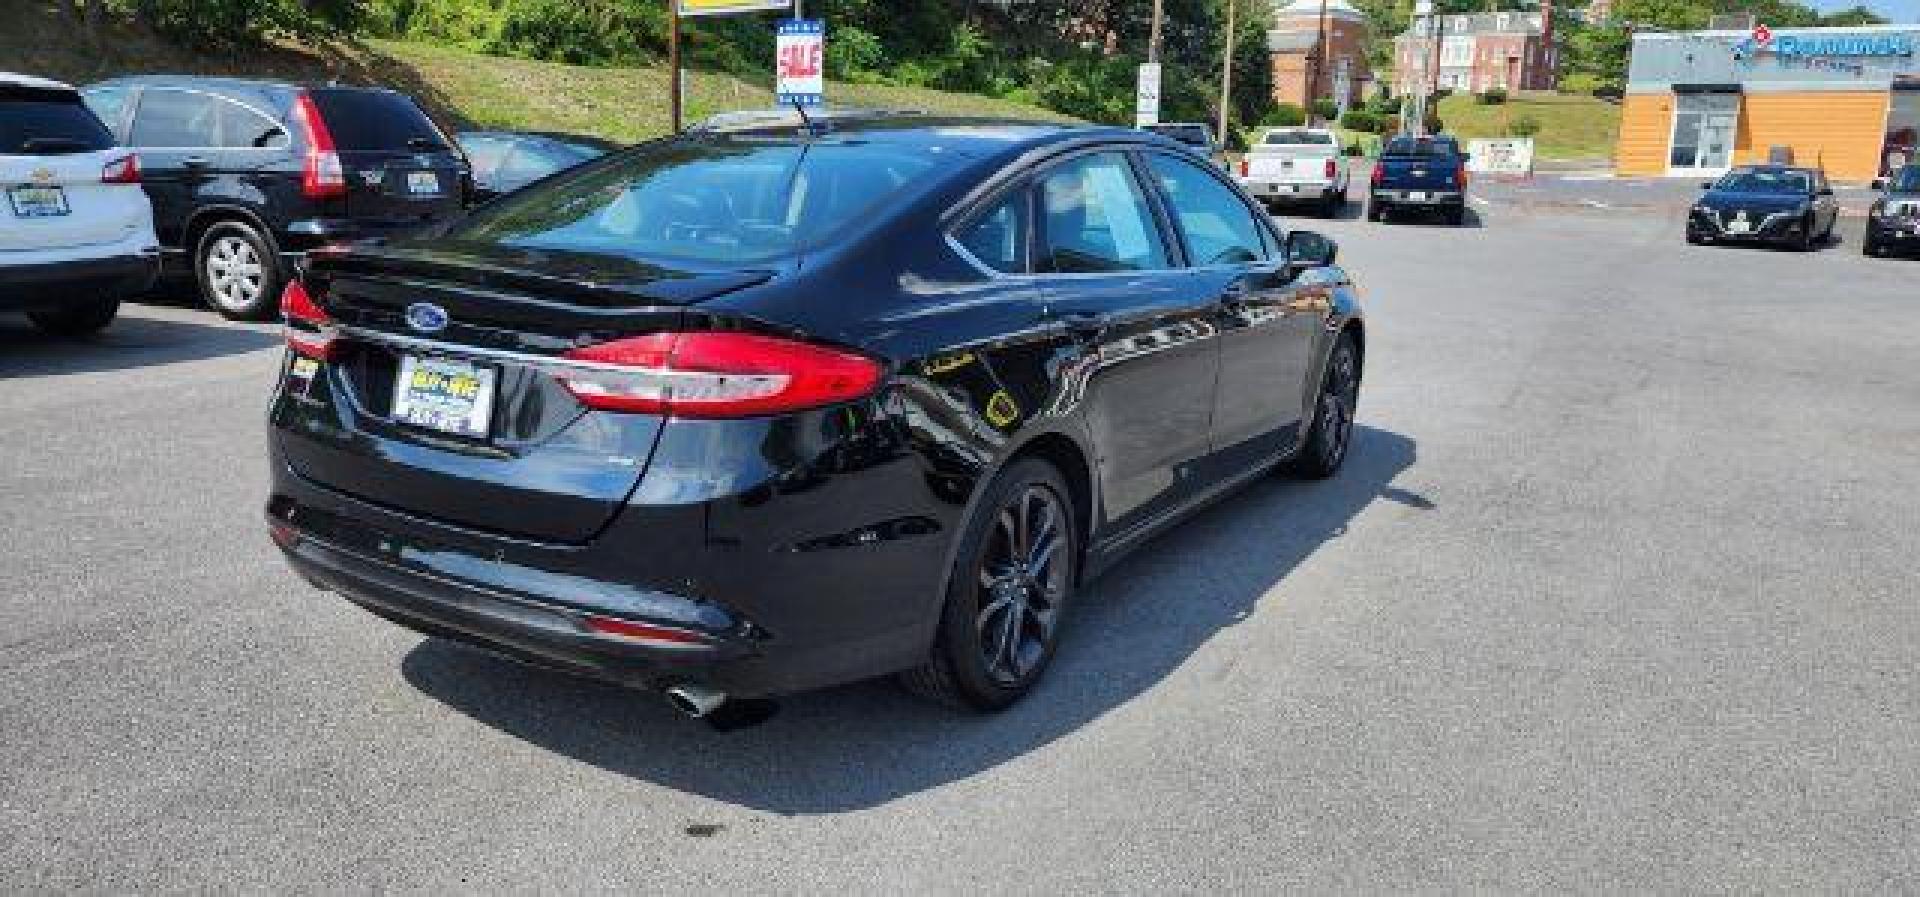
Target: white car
x,y
76,230
1297,165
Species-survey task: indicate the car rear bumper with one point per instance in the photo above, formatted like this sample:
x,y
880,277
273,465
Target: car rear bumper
x,y
55,284
1424,198
1285,191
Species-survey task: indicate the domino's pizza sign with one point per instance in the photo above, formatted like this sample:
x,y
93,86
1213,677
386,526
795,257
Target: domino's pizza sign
x,y
800,49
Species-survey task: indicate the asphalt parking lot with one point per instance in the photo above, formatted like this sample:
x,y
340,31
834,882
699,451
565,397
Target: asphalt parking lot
x,y
1618,592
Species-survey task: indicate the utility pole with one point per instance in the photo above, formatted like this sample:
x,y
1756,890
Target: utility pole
x,y
1432,105
1226,73
1317,61
1153,37
674,99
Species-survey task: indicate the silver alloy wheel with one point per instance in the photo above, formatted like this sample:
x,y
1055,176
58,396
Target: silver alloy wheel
x,y
235,275
1336,404
1022,582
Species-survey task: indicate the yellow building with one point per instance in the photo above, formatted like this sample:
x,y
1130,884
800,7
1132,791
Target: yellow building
x,y
1843,99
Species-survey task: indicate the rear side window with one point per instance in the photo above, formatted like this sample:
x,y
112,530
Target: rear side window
x,y
729,202
175,118
999,238
1094,218
110,103
49,124
361,120
1218,227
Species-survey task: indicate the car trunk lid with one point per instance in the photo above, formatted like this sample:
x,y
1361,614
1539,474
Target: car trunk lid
x,y
541,465
52,155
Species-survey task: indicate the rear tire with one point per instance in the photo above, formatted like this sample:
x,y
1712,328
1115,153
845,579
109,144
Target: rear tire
x,y
85,319
238,271
1873,247
1455,216
1375,213
1011,584
1331,434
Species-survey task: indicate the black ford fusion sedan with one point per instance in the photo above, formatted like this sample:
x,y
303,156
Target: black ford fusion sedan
x,y
1765,204
752,411
1894,221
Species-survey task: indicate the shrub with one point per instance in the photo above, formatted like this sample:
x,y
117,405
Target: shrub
x,y
1362,120
1384,105
1284,115
1493,96
1326,110
1524,126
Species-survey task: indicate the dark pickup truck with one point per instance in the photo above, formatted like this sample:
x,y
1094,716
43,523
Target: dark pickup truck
x,y
1419,174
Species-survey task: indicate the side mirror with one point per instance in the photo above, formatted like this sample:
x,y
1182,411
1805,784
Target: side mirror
x,y
1826,191
1307,249
274,136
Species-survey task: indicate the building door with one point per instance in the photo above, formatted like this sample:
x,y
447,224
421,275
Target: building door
x,y
1704,125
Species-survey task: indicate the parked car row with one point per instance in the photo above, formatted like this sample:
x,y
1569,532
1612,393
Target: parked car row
x,y
240,178
1296,166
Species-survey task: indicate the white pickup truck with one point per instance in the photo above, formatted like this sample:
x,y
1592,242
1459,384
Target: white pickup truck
x,y
1296,165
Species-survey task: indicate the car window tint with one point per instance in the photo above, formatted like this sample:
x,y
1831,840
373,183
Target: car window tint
x,y
1095,218
1298,138
110,104
528,163
375,120
484,154
1218,228
999,238
175,118
54,126
242,128
730,202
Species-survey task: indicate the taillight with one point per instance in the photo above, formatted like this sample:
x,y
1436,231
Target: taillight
x,y
1333,169
322,177
1379,174
1460,176
716,374
1243,166
124,170
309,331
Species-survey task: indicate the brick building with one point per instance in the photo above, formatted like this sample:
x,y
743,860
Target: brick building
x,y
1479,52
1343,76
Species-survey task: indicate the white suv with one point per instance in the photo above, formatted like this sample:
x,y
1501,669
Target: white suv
x,y
76,230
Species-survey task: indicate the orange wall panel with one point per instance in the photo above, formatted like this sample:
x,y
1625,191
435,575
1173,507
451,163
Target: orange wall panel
x,y
1646,125
1841,131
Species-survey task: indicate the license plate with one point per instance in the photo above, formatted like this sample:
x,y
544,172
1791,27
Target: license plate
x,y
423,183
442,394
1739,226
1417,196
38,202
1286,188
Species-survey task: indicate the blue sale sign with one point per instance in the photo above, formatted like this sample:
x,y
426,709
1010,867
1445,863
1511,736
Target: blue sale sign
x,y
800,55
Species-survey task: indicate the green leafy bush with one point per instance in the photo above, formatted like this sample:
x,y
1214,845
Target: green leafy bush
x,y
1326,110
1284,115
1524,126
1493,96
1362,120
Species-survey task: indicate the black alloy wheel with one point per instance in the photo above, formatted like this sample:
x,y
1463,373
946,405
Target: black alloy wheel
x,y
1332,431
1009,590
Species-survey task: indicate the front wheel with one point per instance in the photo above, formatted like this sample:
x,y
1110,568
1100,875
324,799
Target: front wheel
x,y
76,320
1009,589
1332,430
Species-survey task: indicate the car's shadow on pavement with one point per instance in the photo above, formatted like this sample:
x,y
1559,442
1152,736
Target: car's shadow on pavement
x,y
863,745
133,340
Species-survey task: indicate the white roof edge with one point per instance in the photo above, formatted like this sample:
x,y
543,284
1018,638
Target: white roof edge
x,y
31,81
1741,32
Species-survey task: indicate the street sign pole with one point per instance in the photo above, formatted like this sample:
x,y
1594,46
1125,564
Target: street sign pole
x,y
674,98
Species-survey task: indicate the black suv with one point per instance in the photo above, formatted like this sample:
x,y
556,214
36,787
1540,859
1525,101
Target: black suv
x,y
247,175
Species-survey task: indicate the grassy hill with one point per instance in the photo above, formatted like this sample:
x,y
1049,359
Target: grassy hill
x,y
1571,126
467,89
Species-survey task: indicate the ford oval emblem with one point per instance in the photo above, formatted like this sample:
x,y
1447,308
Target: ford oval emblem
x,y
427,317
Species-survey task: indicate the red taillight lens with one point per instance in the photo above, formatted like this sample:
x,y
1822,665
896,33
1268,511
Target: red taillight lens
x,y
1332,170
309,331
716,374
1379,174
643,632
322,177
1460,176
124,170
1243,166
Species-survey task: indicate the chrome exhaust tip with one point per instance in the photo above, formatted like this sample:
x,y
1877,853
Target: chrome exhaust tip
x,y
695,701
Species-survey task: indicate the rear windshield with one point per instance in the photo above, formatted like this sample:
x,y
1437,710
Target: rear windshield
x,y
376,120
727,201
54,125
1420,146
1765,182
1298,138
